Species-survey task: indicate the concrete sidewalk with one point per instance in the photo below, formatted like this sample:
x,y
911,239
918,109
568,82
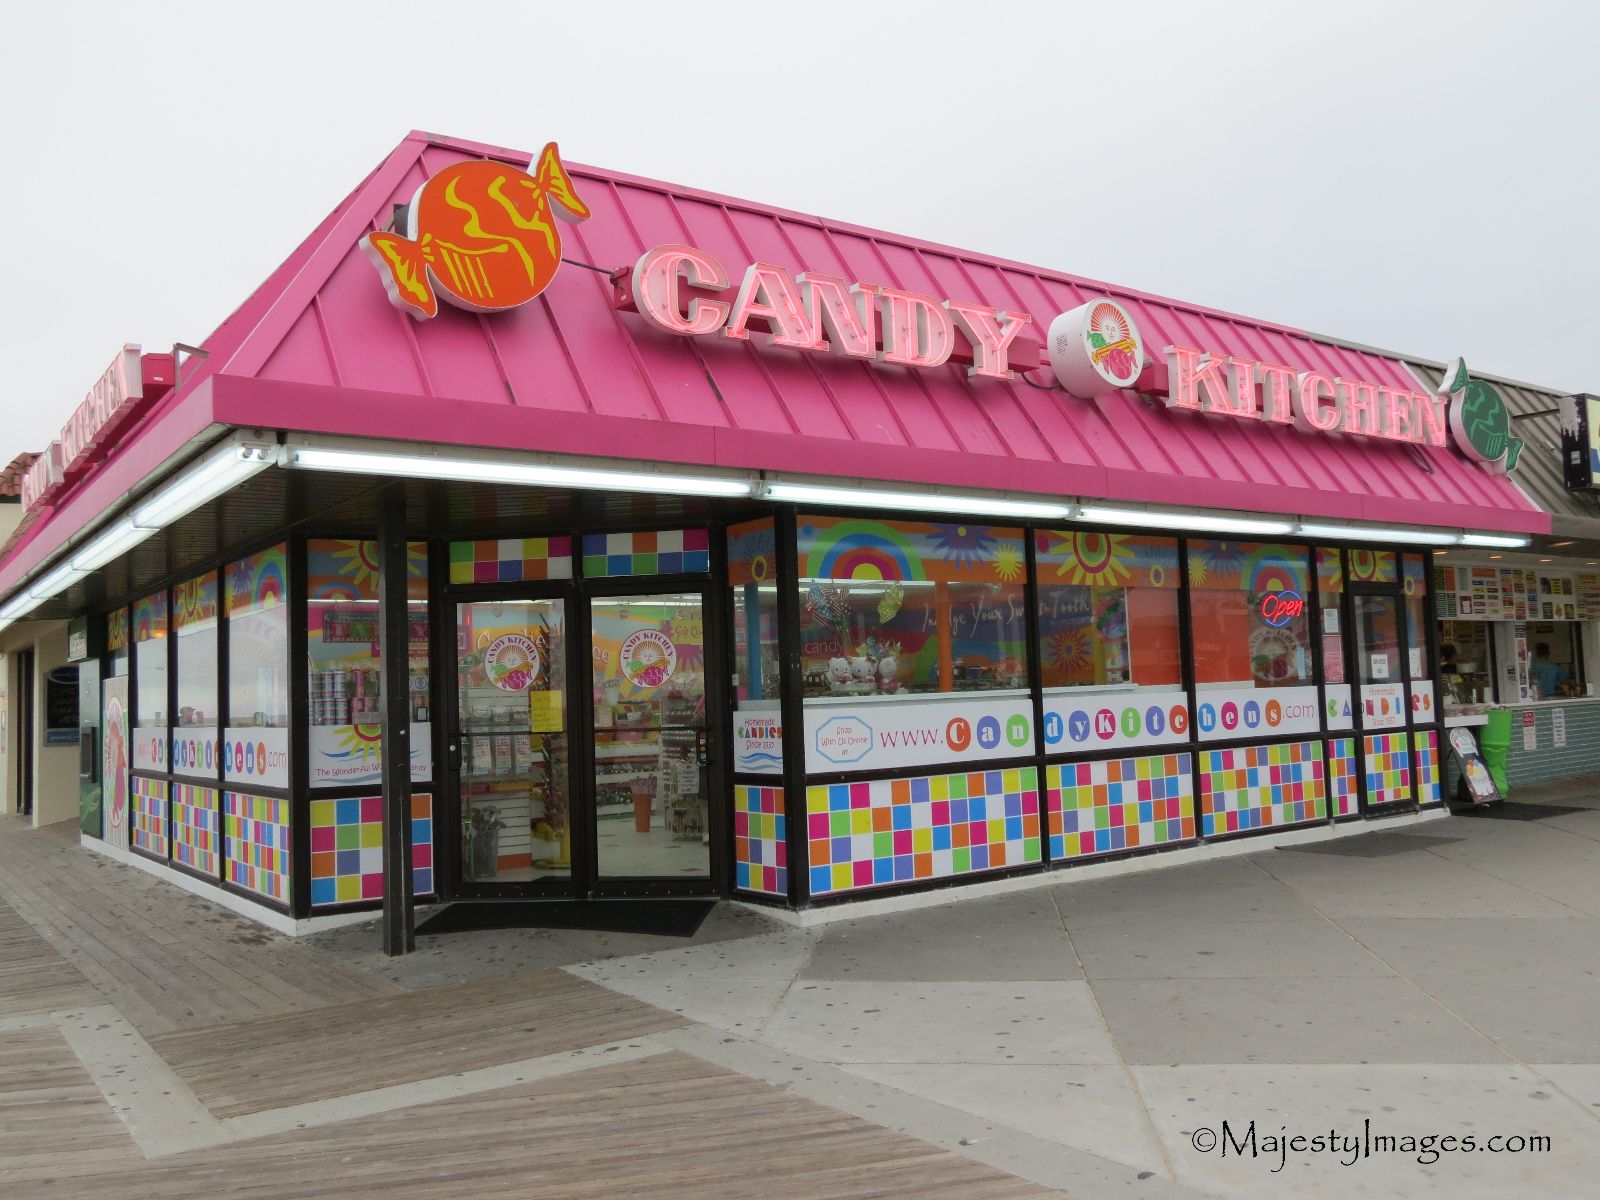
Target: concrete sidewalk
x,y
1087,1037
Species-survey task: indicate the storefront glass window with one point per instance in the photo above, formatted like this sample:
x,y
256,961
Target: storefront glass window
x,y
1330,586
1108,611
258,641
343,663
1415,588
1247,608
194,623
1252,639
1554,658
150,659
753,582
897,608
118,644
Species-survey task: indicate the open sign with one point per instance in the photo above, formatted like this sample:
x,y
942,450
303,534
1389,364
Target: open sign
x,y
1279,608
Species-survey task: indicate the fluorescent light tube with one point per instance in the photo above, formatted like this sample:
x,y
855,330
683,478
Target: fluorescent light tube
x,y
53,584
200,484
19,605
474,470
109,544
1197,521
806,493
1370,533
1507,540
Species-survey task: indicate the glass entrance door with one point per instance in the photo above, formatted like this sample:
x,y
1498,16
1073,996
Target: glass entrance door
x,y
512,745
1386,755
650,737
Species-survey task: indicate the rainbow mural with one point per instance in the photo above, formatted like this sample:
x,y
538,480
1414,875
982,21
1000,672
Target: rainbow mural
x,y
150,617
849,548
257,582
341,569
1250,566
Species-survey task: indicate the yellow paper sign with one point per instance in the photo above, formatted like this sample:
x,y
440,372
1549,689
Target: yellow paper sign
x,y
544,712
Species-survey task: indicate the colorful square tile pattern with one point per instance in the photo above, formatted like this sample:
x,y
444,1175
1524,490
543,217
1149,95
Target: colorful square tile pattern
x,y
347,849
863,835
1343,793
1388,768
511,560
258,844
149,810
665,552
1260,787
1426,744
1119,804
194,827
760,840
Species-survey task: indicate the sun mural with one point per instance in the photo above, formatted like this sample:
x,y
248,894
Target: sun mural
x,y
1068,651
1103,559
964,545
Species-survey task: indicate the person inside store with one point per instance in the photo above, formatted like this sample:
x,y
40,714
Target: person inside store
x,y
1447,660
1547,673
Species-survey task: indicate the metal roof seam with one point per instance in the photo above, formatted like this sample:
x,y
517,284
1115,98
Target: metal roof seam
x,y
814,362
326,340
604,284
874,377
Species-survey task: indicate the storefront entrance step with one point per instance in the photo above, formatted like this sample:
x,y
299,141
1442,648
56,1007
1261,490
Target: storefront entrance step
x,y
658,915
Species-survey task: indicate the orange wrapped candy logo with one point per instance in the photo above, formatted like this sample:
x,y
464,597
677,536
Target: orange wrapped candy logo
x,y
480,235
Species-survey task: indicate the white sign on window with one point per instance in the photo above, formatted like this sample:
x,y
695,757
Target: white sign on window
x,y
897,733
1383,705
1558,727
1242,712
1380,664
1085,719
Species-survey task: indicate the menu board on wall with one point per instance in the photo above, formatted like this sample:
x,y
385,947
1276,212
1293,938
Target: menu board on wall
x,y
1515,594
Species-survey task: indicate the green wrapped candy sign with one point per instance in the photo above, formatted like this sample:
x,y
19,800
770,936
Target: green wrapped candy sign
x,y
1479,420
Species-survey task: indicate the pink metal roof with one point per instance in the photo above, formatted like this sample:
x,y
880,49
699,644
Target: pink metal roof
x,y
318,348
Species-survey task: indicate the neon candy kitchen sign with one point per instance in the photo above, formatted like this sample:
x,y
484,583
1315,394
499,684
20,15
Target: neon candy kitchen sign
x,y
686,291
1097,348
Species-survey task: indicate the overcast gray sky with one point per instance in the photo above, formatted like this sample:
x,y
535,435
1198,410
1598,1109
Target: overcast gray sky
x,y
1418,176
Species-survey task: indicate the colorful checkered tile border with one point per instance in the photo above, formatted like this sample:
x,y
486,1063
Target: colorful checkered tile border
x,y
1260,787
148,802
1426,743
1388,767
863,835
347,849
665,552
1119,804
194,827
258,844
511,560
1343,792
760,840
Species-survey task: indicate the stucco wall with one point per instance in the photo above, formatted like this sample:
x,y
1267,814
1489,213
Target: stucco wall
x,y
55,781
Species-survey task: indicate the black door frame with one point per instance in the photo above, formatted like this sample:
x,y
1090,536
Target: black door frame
x,y
719,754
453,842
584,880
1395,594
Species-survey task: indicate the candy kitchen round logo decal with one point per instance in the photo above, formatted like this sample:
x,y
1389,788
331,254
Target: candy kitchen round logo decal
x,y
649,658
478,235
512,662
1480,420
1095,348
